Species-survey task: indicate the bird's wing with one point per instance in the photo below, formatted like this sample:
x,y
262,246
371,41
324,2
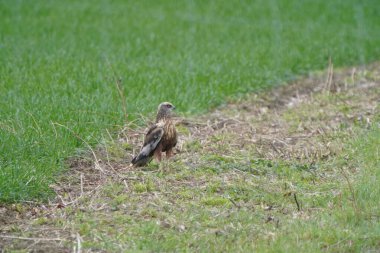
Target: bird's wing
x,y
154,132
152,138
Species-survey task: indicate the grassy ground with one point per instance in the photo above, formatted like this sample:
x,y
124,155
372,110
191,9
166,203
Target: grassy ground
x,y
269,173
59,62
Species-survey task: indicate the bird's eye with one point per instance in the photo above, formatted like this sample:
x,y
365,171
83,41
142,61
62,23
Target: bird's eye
x,y
169,106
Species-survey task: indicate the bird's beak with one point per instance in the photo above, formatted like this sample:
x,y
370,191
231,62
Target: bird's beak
x,y
173,107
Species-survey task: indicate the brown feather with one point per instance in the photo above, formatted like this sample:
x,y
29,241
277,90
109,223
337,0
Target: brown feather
x,y
161,137
169,139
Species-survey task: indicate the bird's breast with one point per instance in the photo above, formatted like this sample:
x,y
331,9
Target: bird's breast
x,y
169,139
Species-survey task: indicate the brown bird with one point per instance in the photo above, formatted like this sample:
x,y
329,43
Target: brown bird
x,y
161,137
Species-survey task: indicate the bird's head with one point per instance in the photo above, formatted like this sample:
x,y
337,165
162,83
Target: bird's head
x,y
164,110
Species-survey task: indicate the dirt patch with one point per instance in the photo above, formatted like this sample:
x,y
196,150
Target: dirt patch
x,y
296,122
301,123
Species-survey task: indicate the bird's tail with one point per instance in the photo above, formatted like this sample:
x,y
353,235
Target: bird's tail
x,y
140,160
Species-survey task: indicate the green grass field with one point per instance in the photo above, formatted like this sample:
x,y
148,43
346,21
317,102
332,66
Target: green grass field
x,y
59,61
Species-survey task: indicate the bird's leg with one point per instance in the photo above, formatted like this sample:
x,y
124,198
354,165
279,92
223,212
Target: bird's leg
x,y
169,153
158,153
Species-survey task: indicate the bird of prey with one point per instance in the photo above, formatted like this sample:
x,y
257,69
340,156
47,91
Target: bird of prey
x,y
161,137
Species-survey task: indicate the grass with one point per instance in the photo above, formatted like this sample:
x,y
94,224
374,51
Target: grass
x,y
59,62
229,189
352,223
241,213
232,200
